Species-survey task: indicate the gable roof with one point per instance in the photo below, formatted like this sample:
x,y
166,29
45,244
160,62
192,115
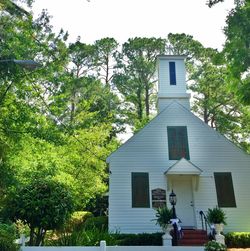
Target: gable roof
x,y
137,134
176,106
184,166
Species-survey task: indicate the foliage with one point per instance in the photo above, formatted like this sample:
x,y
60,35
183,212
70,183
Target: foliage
x,y
77,220
135,75
99,222
98,205
213,99
215,246
144,239
237,49
91,237
43,205
163,216
85,94
216,216
7,237
238,239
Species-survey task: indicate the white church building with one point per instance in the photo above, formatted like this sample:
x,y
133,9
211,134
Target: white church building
x,y
177,150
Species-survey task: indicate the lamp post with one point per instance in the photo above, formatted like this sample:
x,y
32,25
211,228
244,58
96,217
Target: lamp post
x,y
173,200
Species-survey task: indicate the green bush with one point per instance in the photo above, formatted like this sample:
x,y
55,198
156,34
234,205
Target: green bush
x,y
77,220
42,204
7,237
100,222
214,246
143,239
83,238
238,239
92,237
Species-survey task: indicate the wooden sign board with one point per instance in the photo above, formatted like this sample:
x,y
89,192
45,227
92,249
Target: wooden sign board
x,y
158,197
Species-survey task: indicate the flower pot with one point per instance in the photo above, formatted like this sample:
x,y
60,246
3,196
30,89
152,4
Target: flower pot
x,y
218,228
219,237
167,238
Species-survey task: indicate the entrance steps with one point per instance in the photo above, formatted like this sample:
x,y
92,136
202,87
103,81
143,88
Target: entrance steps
x,y
193,237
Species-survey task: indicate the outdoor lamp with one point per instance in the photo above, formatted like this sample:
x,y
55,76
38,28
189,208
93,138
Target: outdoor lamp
x,y
172,198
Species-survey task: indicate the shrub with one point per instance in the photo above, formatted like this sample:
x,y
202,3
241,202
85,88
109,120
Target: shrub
x,y
238,239
42,204
7,238
77,220
214,246
100,222
83,238
92,237
144,239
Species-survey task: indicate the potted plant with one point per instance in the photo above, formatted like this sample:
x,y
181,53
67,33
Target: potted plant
x,y
215,246
163,219
217,217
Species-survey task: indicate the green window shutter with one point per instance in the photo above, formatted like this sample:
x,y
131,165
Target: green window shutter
x,y
140,190
224,189
178,142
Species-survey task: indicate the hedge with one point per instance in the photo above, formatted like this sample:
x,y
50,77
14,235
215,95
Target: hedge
x,y
238,239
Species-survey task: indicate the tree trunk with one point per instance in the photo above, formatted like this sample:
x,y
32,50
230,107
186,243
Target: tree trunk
x,y
139,106
32,235
147,106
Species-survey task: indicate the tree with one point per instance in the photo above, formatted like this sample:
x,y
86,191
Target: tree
x,y
214,101
237,48
43,205
35,129
13,9
135,74
105,51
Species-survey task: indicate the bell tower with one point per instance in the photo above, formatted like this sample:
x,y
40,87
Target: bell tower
x,y
172,81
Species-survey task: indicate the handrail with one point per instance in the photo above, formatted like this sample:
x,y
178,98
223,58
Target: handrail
x,y
205,224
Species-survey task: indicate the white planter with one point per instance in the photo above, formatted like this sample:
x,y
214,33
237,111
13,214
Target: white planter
x,y
218,228
219,237
167,238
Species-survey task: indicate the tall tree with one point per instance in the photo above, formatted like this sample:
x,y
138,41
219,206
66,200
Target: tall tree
x,y
213,100
135,74
237,47
105,51
35,136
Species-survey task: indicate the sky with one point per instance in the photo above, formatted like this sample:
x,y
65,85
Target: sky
x,y
124,19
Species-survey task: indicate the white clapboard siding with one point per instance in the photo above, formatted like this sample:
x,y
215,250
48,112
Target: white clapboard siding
x,y
147,151
164,78
167,92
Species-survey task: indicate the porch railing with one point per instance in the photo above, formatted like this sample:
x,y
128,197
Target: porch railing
x,y
207,226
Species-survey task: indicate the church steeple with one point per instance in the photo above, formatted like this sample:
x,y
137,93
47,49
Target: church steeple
x,y
172,81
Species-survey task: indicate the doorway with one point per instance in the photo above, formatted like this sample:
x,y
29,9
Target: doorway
x,y
182,187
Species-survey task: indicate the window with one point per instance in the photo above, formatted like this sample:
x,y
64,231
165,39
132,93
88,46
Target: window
x,y
172,73
140,190
224,189
178,142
